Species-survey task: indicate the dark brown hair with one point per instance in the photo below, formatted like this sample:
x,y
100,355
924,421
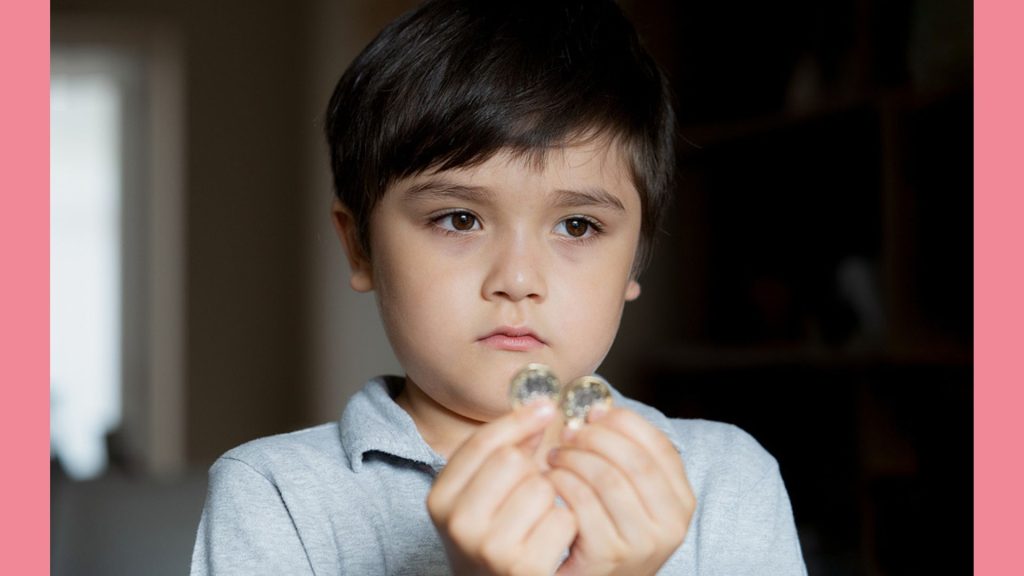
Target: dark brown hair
x,y
453,82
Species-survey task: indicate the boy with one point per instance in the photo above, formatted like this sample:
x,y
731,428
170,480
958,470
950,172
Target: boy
x,y
500,169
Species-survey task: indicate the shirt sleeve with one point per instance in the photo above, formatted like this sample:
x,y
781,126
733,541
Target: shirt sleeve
x,y
763,538
246,527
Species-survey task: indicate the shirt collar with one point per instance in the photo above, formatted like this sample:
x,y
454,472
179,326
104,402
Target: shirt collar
x,y
373,422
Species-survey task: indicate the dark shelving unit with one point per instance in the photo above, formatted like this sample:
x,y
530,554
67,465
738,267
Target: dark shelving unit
x,y
822,263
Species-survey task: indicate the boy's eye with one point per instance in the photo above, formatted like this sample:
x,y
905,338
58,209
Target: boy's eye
x,y
463,221
576,227
458,221
579,227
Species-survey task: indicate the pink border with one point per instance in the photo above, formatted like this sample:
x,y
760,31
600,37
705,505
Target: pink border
x,y
24,305
999,287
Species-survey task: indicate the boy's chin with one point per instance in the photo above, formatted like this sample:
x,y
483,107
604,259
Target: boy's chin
x,y
467,398
483,408
482,394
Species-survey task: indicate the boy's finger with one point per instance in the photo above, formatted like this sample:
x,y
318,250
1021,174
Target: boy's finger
x,y
498,478
509,430
548,541
512,522
647,476
652,440
594,522
615,492
637,428
530,445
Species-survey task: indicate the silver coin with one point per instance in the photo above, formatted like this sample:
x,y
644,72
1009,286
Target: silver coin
x,y
581,396
533,382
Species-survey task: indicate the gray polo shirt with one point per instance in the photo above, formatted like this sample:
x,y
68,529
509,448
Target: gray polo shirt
x,y
350,498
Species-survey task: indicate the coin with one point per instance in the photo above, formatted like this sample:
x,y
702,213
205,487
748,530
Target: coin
x,y
533,382
583,395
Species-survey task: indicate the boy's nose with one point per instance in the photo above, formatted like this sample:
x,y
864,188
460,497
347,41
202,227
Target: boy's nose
x,y
515,275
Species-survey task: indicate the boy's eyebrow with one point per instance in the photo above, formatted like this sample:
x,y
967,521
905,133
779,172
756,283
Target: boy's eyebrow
x,y
563,198
593,196
442,189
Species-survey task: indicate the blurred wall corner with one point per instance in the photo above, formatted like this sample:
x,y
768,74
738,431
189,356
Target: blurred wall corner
x,y
234,319
122,497
348,344
117,243
237,319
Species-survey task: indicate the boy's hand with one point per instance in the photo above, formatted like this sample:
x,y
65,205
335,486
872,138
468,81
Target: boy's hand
x,y
492,505
628,488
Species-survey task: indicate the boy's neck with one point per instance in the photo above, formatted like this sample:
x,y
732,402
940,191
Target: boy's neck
x,y
443,430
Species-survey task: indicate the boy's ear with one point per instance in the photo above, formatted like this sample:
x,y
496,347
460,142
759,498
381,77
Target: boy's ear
x,y
632,290
348,232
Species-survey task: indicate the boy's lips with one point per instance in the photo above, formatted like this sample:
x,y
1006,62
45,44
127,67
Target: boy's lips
x,y
513,339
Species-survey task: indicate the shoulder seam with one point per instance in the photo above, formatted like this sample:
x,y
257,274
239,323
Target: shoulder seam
x,y
250,467
284,504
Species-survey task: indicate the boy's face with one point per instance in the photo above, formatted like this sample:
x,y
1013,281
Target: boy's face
x,y
481,270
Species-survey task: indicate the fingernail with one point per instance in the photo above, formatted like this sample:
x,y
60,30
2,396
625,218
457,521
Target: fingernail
x,y
541,409
553,455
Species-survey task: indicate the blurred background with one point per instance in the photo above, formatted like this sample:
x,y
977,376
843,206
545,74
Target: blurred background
x,y
813,284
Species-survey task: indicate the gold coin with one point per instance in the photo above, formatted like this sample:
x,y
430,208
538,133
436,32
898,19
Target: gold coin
x,y
581,396
533,382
